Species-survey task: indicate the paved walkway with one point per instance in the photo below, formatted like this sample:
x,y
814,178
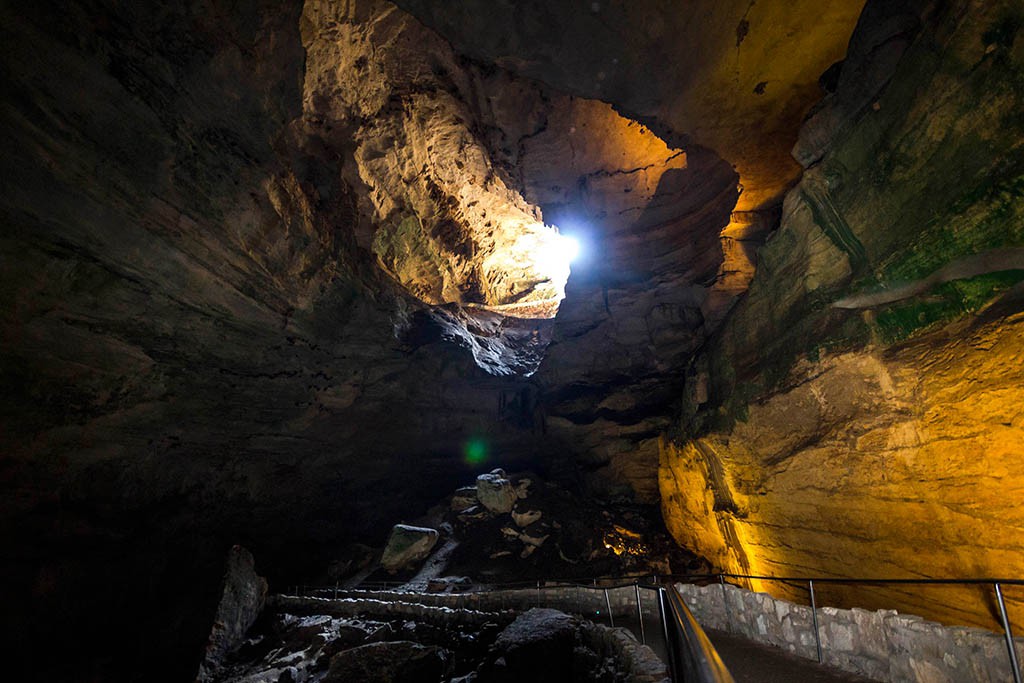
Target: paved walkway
x,y
751,662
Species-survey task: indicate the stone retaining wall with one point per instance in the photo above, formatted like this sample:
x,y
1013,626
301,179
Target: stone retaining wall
x,y
587,602
386,609
883,645
638,662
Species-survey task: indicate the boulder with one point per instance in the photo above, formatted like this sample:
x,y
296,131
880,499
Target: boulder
x,y
463,499
406,546
537,646
526,518
241,601
496,493
474,514
400,660
535,541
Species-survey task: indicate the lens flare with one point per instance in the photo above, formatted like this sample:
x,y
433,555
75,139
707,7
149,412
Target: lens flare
x,y
474,452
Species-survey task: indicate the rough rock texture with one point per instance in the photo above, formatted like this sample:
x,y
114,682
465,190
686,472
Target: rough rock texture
x,y
195,347
251,292
671,246
547,645
406,546
545,531
740,88
205,340
539,639
833,428
241,602
387,662
414,635
495,492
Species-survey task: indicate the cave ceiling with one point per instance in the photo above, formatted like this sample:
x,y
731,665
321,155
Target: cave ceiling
x,y
299,243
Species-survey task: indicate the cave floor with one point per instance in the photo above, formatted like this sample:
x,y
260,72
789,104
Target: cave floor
x,y
751,662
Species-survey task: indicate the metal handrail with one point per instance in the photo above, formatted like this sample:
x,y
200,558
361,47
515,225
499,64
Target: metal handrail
x,y
870,580
622,582
996,583
693,659
808,581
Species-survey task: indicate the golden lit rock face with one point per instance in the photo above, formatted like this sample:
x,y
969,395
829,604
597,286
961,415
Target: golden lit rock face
x,y
454,161
605,167
743,74
897,463
881,440
450,224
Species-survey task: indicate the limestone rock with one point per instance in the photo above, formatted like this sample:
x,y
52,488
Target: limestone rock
x,y
464,498
388,662
406,546
537,646
476,513
241,602
495,492
526,518
646,36
862,441
530,540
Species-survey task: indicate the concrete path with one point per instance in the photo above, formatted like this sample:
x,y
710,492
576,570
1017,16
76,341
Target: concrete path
x,y
751,662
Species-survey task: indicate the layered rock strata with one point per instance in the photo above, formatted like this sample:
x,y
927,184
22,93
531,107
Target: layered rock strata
x,y
859,412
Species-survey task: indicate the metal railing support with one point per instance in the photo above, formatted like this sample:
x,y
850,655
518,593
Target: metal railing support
x,y
640,614
608,604
663,610
725,604
814,618
1008,633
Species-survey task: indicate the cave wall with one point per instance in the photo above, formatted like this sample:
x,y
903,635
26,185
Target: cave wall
x,y
726,84
743,74
197,349
860,412
209,336
208,339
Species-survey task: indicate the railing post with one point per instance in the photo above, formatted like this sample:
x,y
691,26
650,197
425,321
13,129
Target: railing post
x,y
538,594
608,604
640,614
814,618
669,645
1008,633
725,604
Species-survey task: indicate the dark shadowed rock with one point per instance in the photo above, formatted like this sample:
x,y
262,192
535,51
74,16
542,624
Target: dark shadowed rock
x,y
537,646
396,662
241,602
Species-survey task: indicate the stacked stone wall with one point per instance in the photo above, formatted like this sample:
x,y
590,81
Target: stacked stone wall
x,y
883,645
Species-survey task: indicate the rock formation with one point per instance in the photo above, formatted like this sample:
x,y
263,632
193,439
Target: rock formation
x,y
242,600
274,272
406,546
859,412
363,639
